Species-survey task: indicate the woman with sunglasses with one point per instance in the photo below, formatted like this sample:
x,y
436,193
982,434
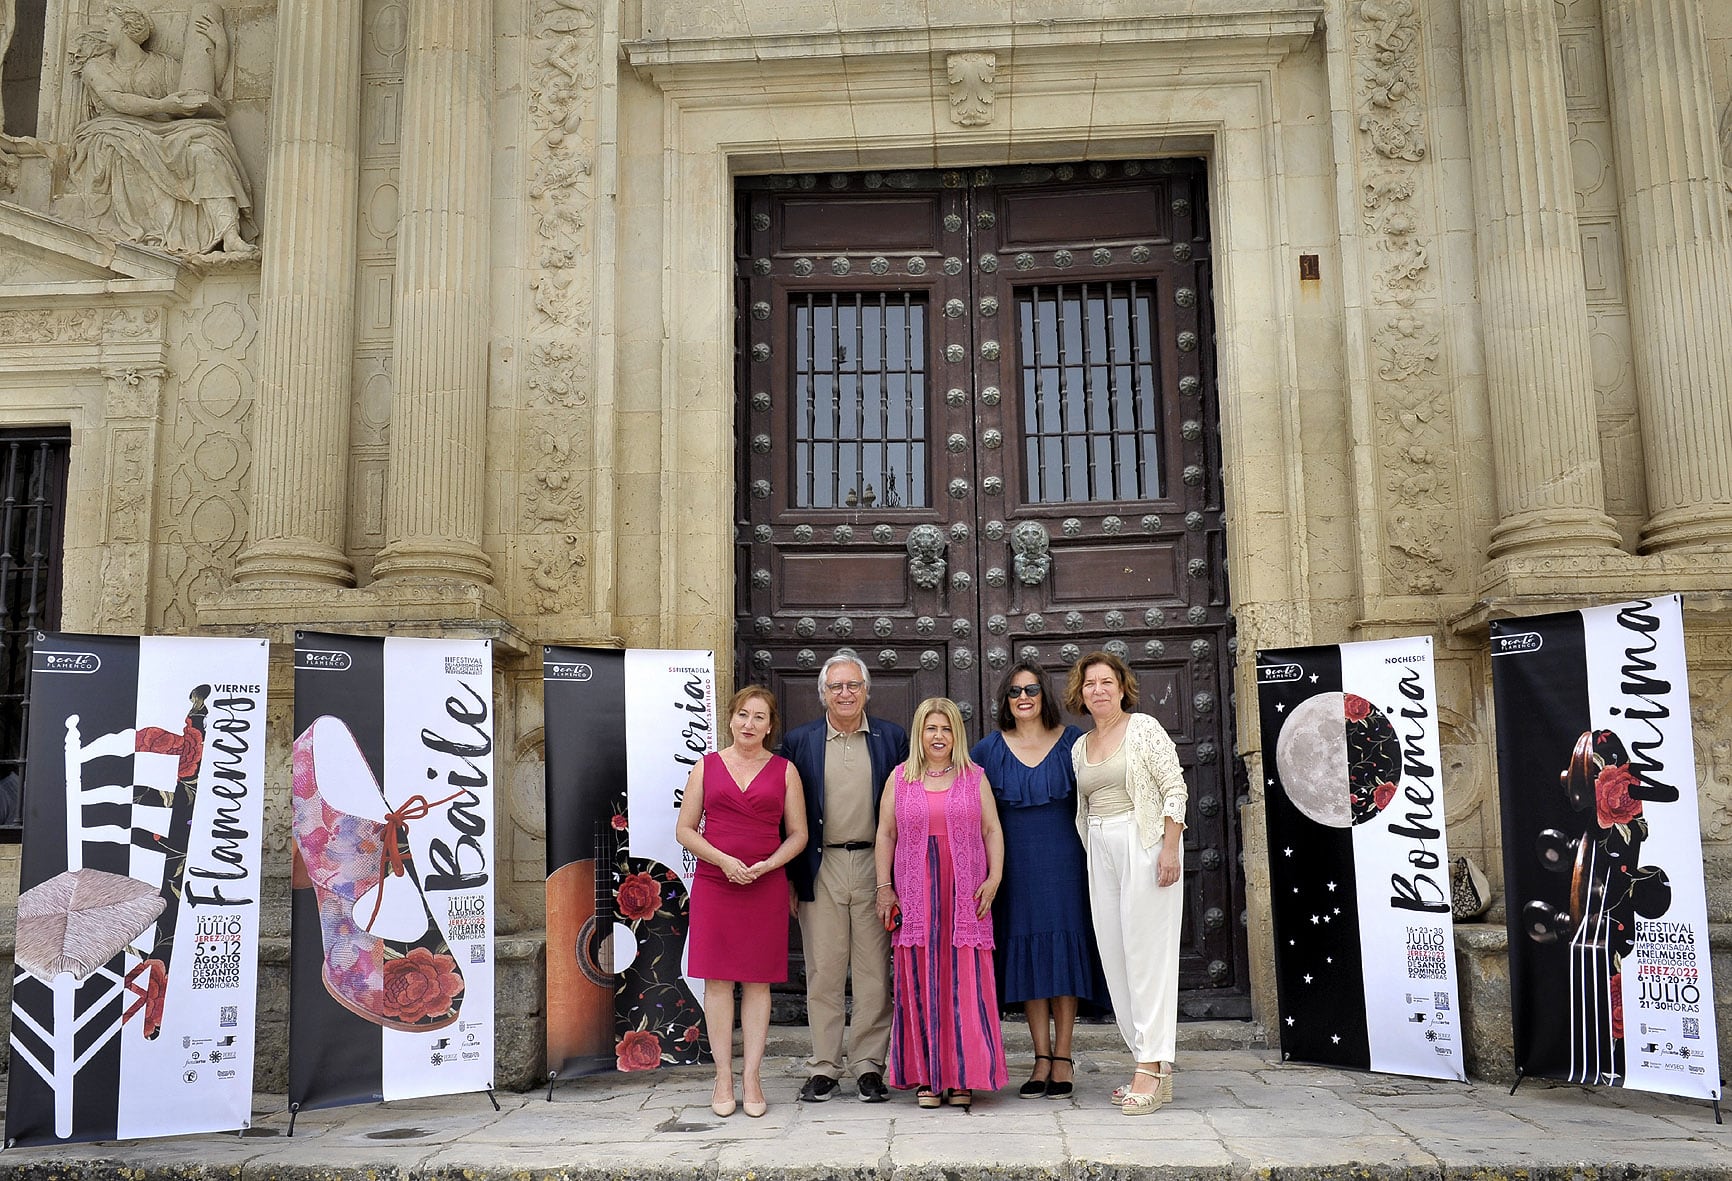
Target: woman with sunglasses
x,y
1046,954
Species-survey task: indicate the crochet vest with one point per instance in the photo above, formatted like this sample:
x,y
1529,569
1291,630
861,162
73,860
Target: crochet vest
x,y
967,859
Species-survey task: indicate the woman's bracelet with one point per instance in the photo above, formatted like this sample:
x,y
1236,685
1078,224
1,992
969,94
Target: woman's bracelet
x,y
884,886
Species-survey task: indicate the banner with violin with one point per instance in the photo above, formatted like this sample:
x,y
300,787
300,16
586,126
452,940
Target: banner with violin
x,y
391,954
135,974
623,731
1608,934
1359,866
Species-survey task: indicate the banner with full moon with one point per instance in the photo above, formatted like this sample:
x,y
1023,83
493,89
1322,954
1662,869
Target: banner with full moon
x,y
1610,981
1359,866
624,730
135,975
391,948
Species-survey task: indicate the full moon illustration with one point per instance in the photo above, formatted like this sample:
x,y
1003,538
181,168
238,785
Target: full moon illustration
x,y
1311,758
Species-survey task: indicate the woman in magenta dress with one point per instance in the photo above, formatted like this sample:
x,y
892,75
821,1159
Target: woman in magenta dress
x,y
744,818
940,860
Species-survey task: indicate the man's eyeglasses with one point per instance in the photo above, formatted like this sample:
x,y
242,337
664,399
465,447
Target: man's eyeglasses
x,y
845,686
1016,691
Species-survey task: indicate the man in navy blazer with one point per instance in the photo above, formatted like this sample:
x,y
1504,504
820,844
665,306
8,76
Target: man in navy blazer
x,y
843,759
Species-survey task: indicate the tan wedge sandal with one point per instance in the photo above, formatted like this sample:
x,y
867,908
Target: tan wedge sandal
x,y
1136,1104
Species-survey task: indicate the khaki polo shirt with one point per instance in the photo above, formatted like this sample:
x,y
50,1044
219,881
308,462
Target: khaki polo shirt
x,y
848,785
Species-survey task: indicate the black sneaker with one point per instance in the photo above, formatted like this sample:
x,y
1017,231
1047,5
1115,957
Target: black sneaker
x,y
818,1088
872,1088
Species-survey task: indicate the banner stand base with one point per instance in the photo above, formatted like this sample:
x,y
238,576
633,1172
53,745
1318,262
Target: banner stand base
x,y
491,1099
1518,1082
552,1077
294,1114
1717,1118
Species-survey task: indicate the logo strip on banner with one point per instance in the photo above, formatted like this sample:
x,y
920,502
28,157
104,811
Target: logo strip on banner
x,y
1609,965
144,803
1365,959
392,994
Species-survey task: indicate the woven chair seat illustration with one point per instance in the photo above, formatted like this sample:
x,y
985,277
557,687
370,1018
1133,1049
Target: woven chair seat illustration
x,y
77,921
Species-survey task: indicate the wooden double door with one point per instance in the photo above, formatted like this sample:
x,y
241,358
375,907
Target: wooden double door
x,y
977,423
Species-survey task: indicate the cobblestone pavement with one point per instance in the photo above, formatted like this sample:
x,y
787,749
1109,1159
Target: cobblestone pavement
x,y
1236,1114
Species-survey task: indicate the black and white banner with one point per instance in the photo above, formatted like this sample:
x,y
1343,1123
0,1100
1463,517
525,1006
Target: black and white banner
x,y
135,986
1608,935
1359,868
624,729
392,989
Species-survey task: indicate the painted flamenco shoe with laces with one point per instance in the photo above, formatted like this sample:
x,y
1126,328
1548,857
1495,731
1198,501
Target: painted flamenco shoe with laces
x,y
386,959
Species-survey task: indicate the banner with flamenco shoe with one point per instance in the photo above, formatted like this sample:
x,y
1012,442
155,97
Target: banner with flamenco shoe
x,y
624,729
391,993
134,989
1610,982
1359,866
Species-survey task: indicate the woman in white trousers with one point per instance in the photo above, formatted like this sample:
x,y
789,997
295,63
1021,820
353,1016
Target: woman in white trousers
x,y
1131,815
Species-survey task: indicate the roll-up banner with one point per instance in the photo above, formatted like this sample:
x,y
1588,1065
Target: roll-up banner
x,y
1359,865
624,729
1608,928
391,993
136,977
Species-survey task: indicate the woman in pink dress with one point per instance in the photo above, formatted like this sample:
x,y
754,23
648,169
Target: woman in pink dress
x,y
940,860
744,818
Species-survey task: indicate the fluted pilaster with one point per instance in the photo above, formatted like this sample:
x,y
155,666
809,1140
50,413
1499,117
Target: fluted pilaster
x,y
1550,488
307,302
1678,261
437,463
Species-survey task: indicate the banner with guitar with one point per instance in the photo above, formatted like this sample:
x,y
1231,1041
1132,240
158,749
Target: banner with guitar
x,y
134,989
391,992
1608,934
624,729
1359,866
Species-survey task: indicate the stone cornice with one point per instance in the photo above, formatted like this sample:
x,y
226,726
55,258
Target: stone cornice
x,y
134,269
1517,586
1269,30
398,608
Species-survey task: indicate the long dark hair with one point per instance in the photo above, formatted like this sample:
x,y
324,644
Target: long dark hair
x,y
1049,715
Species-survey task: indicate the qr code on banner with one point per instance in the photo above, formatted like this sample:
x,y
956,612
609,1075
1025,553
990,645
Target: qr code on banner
x,y
1440,1000
1693,1027
478,953
229,1017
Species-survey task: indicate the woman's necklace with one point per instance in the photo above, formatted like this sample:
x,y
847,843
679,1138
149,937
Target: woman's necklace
x,y
934,772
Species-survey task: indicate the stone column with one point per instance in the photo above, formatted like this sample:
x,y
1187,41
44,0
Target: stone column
x,y
436,469
1678,260
307,302
1533,307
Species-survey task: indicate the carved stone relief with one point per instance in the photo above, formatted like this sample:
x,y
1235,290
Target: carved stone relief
x,y
207,459
552,445
1416,442
973,87
153,154
1711,717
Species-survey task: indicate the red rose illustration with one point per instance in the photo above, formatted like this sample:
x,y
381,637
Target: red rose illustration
x,y
1616,984
1612,796
420,985
690,1035
1358,709
1382,794
639,897
639,1049
619,822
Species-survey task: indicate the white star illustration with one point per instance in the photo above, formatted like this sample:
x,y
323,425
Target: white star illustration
x,y
1332,887
1336,1039
1329,959
1295,889
1292,943
1287,852
1307,977
1337,910
1313,678
1315,920
1328,917
1289,1021
1279,708
1270,782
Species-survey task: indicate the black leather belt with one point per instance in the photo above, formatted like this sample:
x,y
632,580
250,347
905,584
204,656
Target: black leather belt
x,y
851,846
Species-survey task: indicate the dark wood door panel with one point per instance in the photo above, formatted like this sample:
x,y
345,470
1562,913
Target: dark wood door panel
x,y
977,424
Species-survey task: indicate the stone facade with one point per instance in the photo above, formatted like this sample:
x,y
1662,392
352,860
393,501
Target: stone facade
x,y
470,368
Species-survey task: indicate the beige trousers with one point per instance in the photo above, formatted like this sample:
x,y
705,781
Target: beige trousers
x,y
839,930
1137,929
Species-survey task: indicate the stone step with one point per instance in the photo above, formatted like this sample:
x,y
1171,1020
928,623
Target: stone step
x,y
1091,1037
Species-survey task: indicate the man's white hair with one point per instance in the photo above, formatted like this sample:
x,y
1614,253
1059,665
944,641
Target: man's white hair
x,y
843,656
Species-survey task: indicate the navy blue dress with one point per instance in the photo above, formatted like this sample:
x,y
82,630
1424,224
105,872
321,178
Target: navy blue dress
x,y
1041,914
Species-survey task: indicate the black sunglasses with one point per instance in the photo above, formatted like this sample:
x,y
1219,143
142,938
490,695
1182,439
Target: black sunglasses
x,y
1016,691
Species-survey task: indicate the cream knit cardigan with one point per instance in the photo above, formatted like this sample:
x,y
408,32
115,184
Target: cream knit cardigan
x,y
1155,781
